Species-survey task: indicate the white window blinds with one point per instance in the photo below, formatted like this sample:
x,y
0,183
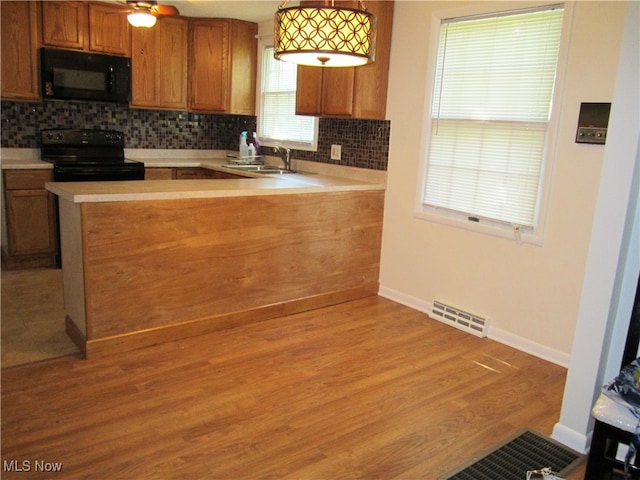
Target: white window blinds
x,y
491,106
278,121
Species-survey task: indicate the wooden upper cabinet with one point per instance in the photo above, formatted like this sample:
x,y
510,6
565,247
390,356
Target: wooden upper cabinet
x,y
64,24
19,43
208,65
222,66
243,58
325,92
174,54
109,30
337,91
371,81
97,27
159,64
354,92
144,67
309,90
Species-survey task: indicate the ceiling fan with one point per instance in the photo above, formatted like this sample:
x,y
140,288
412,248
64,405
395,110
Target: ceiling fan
x,y
144,13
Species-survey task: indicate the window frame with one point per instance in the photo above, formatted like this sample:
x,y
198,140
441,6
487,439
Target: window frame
x,y
265,42
460,220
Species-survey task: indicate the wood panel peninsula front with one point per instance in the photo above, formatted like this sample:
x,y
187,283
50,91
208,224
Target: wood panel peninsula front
x,y
149,261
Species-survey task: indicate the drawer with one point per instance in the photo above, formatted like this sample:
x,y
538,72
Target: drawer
x,y
26,179
158,173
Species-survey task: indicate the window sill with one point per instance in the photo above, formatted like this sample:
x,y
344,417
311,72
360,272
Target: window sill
x,y
508,232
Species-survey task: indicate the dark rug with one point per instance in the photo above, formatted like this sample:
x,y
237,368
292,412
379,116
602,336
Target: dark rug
x,y
512,459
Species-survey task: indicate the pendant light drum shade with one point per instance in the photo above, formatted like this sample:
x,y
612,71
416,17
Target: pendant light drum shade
x,y
325,36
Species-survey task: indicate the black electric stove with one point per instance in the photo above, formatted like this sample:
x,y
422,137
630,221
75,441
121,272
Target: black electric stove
x,y
80,155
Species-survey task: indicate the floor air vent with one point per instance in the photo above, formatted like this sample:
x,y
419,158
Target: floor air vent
x,y
464,321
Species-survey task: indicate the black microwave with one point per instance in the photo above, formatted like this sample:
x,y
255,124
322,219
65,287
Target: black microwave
x,y
85,76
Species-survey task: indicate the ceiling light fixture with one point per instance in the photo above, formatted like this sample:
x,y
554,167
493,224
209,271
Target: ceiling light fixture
x,y
325,36
141,19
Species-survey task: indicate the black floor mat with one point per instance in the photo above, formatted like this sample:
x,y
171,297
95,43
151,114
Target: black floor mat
x,y
511,460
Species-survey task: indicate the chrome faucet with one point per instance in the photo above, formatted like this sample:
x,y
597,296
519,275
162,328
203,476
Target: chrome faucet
x,y
284,154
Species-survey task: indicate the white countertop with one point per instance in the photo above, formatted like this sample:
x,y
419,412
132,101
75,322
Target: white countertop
x,y
313,177
83,192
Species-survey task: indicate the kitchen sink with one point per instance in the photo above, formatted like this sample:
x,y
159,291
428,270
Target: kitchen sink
x,y
266,169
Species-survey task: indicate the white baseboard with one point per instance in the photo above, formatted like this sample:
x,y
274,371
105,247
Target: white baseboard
x,y
405,299
524,345
497,334
572,439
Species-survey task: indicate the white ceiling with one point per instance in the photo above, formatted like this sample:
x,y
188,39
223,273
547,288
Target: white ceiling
x,y
251,10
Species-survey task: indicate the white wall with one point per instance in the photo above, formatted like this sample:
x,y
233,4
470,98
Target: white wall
x,y
613,261
530,293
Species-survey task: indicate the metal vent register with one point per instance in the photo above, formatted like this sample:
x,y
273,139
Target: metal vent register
x,y
511,461
466,321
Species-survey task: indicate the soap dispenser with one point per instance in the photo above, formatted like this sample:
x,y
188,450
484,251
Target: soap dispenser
x,y
244,149
251,150
256,143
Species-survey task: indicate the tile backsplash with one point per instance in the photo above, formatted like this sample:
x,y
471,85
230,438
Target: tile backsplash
x,y
365,143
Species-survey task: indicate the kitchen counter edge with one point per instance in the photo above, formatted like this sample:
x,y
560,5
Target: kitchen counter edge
x,y
149,190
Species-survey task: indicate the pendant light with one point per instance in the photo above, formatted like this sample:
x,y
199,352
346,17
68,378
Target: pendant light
x,y
144,12
325,36
141,18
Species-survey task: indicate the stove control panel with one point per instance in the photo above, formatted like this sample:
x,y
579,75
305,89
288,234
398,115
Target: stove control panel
x,y
82,137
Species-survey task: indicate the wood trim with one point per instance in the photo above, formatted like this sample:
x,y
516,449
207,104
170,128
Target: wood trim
x,y
72,262
86,288
75,334
121,343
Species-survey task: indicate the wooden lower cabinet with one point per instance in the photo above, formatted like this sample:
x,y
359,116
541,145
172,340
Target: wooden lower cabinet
x,y
158,173
187,173
32,236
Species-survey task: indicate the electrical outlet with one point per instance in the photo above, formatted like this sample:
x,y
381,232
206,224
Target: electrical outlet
x,y
336,152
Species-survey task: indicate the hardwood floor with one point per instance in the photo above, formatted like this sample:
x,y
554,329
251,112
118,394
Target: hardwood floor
x,y
367,389
33,317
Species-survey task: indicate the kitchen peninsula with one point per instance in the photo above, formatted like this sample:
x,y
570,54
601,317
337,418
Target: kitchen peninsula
x,y
148,261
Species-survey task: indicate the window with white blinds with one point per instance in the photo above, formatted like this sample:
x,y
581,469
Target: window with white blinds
x,y
492,99
277,123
